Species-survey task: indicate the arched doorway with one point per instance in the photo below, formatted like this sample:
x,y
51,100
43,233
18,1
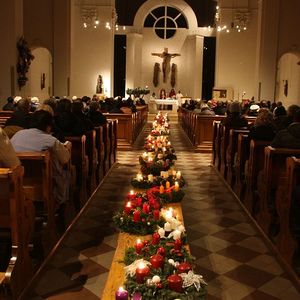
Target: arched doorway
x,y
40,74
288,79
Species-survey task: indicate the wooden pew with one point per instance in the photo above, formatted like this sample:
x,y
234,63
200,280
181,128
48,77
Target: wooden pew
x,y
91,152
6,113
129,126
224,131
286,241
80,160
106,141
16,222
100,154
37,182
216,125
271,177
243,149
231,154
113,132
254,164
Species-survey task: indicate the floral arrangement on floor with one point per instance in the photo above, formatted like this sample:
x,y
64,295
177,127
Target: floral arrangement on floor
x,y
163,267
140,215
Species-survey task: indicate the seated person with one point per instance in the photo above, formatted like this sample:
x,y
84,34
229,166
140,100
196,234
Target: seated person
x,y
10,105
220,109
289,137
234,119
288,118
66,121
205,110
39,138
264,127
21,116
8,157
95,115
85,122
279,115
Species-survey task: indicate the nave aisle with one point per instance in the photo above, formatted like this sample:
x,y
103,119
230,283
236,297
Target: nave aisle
x,y
230,253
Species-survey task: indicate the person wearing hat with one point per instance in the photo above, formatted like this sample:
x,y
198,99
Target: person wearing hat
x,y
234,118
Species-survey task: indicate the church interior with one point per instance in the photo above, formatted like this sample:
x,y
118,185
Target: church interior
x,y
149,149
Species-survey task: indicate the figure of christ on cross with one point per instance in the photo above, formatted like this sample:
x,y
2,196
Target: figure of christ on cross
x,y
166,61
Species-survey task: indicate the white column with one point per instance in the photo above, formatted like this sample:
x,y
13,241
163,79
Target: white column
x,y
267,48
133,60
198,42
11,29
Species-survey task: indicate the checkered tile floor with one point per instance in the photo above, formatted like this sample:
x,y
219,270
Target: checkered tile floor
x,y
230,253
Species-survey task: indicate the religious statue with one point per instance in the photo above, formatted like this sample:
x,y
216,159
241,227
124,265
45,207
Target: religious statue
x,y
166,61
99,88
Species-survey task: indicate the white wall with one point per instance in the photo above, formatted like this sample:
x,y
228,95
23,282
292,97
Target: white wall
x,y
288,69
42,64
11,28
236,55
92,53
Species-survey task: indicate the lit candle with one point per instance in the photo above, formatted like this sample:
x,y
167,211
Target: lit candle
x,y
168,215
139,177
150,159
166,174
128,208
178,175
150,178
141,272
176,187
167,184
145,154
169,143
138,246
121,294
131,194
161,189
174,173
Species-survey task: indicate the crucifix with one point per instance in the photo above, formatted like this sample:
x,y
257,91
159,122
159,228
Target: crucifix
x,y
166,56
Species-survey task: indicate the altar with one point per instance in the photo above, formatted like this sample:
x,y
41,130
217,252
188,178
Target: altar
x,y
167,105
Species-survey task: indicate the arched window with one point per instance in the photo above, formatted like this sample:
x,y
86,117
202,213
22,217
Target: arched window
x,y
165,20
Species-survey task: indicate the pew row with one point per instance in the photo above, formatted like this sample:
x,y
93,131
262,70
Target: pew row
x,y
129,127
16,225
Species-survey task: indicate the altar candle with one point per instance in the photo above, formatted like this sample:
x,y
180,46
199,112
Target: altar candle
x,y
167,184
178,175
176,187
128,208
121,294
150,178
138,246
141,272
136,216
161,189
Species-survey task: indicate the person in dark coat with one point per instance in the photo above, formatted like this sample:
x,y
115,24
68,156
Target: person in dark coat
x,y
289,137
77,108
264,127
95,115
234,119
21,116
9,105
